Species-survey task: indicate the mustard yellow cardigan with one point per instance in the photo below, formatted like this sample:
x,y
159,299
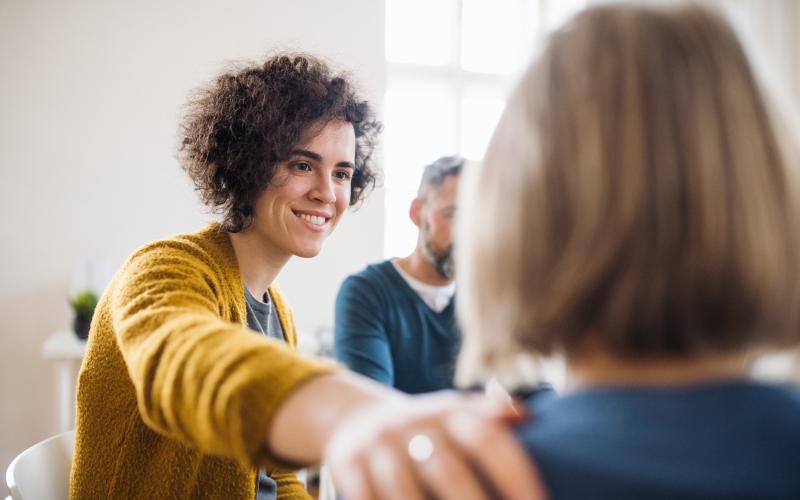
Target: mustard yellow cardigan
x,y
175,394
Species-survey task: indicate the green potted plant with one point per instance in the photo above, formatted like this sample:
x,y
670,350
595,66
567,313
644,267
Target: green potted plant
x,y
83,304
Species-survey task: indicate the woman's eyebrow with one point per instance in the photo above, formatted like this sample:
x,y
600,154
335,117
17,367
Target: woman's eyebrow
x,y
308,154
317,157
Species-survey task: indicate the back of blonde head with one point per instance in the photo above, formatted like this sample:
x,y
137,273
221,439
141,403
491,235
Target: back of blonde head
x,y
635,196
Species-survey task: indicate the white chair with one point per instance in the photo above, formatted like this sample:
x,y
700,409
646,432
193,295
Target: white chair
x,y
327,491
42,471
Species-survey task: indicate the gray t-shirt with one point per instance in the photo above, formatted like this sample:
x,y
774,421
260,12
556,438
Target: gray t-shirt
x,y
262,318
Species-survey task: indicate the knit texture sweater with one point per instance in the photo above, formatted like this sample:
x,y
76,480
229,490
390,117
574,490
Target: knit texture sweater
x,y
731,439
384,330
176,395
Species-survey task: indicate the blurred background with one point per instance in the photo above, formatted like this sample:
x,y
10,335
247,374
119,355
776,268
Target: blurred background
x,y
91,93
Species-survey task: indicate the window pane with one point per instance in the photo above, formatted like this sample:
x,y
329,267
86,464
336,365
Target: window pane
x,y
399,234
420,126
480,111
420,31
559,11
492,36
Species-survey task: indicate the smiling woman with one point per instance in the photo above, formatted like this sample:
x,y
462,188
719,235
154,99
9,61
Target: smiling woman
x,y
247,122
280,150
191,386
307,196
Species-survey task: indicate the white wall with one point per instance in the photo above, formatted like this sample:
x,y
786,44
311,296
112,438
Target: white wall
x,y
90,93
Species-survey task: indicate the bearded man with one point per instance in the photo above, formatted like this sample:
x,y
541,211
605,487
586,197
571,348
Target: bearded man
x,y
395,320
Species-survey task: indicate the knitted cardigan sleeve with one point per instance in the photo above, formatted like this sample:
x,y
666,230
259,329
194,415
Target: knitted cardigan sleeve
x,y
199,376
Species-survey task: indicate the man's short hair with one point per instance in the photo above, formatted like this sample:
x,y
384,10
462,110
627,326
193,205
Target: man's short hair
x,y
434,174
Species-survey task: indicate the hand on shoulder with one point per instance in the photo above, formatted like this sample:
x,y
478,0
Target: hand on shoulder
x,y
444,445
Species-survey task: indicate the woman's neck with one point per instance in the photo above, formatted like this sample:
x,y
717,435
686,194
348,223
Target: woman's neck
x,y
258,266
600,368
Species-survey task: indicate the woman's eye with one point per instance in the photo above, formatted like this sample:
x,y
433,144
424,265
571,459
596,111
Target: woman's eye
x,y
302,166
343,175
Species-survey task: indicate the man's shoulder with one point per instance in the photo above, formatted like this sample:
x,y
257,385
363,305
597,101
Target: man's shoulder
x,y
379,282
374,273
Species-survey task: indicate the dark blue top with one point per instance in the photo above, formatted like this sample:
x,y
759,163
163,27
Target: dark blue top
x,y
731,440
385,331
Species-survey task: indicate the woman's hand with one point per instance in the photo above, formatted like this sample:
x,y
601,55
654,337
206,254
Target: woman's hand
x,y
445,445
381,444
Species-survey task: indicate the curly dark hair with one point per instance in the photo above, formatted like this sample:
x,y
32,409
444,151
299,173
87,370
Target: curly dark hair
x,y
238,128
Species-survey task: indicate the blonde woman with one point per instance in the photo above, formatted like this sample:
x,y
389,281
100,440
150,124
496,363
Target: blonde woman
x,y
638,215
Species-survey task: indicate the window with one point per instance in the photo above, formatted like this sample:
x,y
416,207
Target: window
x,y
450,66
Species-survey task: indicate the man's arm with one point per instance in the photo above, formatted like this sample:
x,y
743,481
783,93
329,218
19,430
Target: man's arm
x,y
361,340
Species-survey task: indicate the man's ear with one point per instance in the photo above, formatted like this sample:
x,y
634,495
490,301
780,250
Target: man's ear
x,y
415,211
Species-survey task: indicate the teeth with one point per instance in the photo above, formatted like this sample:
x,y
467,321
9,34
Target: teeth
x,y
314,219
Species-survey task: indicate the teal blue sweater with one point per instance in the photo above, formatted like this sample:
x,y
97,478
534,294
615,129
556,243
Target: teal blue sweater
x,y
731,440
385,331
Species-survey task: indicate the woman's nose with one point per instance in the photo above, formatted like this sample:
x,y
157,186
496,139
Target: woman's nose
x,y
323,190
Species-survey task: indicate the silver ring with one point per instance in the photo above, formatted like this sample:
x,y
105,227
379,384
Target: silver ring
x,y
420,447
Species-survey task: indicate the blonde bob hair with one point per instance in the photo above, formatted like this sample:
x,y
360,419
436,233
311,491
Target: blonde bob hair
x,y
636,196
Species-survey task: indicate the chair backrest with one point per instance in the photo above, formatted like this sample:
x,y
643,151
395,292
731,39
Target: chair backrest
x,y
42,471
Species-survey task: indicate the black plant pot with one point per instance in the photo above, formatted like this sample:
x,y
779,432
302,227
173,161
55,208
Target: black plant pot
x,y
81,326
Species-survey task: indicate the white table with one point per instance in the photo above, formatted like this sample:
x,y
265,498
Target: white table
x,y
66,351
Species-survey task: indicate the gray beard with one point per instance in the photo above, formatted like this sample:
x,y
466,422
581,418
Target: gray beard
x,y
442,260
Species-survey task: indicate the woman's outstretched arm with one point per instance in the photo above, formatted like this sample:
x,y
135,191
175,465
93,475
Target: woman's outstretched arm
x,y
463,446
